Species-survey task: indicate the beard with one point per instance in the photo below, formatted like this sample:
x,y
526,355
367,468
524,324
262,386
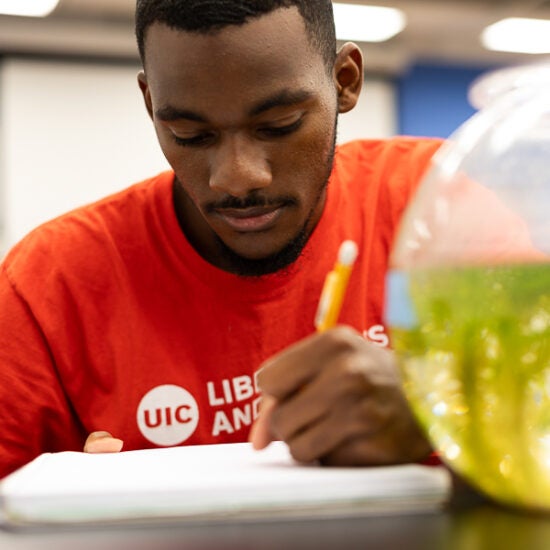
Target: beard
x,y
280,261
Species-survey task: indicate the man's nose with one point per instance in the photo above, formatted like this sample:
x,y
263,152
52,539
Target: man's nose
x,y
239,166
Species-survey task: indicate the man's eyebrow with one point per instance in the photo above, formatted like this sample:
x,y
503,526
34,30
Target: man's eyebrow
x,y
284,98
170,114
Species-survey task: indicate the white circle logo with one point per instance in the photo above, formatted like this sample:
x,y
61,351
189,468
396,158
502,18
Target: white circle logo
x,y
167,415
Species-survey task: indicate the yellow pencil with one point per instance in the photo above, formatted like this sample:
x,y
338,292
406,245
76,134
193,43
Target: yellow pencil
x,y
334,288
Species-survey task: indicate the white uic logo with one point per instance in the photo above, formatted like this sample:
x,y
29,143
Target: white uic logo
x,y
167,415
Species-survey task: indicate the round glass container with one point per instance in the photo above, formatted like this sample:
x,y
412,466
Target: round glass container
x,y
468,292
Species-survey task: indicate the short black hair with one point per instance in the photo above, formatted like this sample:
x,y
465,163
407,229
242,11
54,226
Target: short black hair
x,y
207,16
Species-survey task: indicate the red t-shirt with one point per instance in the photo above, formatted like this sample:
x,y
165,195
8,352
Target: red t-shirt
x,y
110,320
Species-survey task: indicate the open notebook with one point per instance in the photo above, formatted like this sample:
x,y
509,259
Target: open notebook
x,y
212,482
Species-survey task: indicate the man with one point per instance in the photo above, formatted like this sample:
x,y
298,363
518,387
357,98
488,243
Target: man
x,y
149,313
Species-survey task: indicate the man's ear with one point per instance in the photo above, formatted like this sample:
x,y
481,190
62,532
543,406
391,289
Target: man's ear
x,y
144,87
348,76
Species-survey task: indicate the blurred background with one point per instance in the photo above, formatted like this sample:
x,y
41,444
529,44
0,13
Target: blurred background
x,y
73,127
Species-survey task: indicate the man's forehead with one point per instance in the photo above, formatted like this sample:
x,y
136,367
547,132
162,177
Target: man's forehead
x,y
243,60
278,32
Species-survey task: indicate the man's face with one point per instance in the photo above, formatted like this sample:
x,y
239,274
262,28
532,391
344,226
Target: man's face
x,y
246,118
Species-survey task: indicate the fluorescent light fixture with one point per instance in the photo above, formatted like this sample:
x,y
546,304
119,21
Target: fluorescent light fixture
x,y
518,34
29,8
367,23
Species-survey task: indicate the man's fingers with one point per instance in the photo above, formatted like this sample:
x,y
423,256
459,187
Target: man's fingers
x,y
334,391
260,434
102,442
288,371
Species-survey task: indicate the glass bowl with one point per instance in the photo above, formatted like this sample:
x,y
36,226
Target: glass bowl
x,y
468,292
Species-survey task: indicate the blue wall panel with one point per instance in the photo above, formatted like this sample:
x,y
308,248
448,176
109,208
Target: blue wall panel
x,y
432,99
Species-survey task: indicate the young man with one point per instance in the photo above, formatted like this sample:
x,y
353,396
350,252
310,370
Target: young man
x,y
149,313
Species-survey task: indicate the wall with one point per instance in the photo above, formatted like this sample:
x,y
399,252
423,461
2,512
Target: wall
x,y
432,98
69,134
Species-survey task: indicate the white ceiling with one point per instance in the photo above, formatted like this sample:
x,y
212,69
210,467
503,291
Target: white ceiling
x,y
437,30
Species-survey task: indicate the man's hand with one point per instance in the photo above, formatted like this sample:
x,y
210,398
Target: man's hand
x,y
102,442
337,398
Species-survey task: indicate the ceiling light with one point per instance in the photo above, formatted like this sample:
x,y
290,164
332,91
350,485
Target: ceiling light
x,y
30,8
517,34
367,23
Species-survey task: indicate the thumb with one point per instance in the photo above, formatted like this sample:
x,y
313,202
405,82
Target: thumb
x,y
102,442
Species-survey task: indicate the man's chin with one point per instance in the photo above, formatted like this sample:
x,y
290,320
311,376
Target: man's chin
x,y
265,265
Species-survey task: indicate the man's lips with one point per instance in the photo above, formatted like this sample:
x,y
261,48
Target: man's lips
x,y
257,218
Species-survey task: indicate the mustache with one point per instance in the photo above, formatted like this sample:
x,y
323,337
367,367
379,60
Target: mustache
x,y
250,201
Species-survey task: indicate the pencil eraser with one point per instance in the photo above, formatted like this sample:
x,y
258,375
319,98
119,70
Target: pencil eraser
x,y
348,252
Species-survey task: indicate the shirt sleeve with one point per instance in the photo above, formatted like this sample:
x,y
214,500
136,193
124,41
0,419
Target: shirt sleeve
x,y
35,414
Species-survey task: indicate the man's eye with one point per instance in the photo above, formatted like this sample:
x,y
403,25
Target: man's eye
x,y
279,131
195,141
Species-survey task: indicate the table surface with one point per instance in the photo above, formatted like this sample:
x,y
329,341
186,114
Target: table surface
x,y
467,523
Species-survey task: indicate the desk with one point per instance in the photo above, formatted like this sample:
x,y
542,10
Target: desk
x,y
480,526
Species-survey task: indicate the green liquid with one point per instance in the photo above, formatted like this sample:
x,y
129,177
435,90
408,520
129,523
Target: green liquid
x,y
476,368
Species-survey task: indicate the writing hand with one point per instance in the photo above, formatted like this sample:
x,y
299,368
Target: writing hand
x,y
337,398
102,442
